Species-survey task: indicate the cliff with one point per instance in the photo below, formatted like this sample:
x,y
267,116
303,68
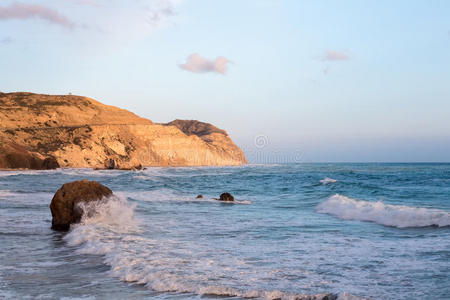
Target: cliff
x,y
44,131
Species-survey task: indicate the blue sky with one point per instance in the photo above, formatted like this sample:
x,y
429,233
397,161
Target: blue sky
x,y
289,80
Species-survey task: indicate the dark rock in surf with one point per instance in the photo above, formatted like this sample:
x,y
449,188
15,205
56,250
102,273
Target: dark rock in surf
x,y
138,167
226,197
133,168
199,197
329,297
65,203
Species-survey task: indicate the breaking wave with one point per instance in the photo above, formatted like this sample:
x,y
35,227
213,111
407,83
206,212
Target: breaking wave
x,y
400,216
327,180
110,228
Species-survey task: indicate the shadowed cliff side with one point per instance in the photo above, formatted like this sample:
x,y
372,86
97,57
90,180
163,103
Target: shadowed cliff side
x,y
45,131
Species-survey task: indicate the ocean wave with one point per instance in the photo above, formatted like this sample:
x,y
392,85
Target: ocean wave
x,y
43,264
169,195
328,180
109,228
7,173
400,216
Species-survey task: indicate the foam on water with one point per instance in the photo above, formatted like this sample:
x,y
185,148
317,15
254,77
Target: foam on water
x,y
400,216
327,180
279,247
109,228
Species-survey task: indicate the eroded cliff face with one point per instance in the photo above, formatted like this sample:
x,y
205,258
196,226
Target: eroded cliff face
x,y
44,131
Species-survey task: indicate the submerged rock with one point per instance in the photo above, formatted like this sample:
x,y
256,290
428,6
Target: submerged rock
x,y
226,197
64,205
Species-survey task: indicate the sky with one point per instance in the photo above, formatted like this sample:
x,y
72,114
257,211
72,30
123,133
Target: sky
x,y
290,81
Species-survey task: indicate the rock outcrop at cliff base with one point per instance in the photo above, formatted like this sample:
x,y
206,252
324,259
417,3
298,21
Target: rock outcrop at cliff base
x,y
45,131
13,156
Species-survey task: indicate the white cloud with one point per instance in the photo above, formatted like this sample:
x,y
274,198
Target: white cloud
x,y
86,2
197,64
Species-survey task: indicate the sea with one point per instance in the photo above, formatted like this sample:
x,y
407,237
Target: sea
x,y
359,231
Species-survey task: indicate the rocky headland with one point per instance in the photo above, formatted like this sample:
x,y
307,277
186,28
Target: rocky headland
x,y
46,131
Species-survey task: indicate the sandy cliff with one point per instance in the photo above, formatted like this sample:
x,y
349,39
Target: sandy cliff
x,y
44,131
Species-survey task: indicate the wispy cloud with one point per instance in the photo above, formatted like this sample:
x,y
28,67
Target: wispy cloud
x,y
86,2
24,11
334,55
134,20
197,64
160,12
6,40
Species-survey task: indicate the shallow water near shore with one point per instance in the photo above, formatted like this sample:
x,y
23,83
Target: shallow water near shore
x,y
378,231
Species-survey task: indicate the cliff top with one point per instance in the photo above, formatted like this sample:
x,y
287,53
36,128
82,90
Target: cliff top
x,y
195,127
36,110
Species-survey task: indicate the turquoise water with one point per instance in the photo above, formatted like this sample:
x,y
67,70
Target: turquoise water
x,y
378,231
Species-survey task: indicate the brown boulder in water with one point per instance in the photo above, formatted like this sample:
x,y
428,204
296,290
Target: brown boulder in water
x,y
64,205
226,197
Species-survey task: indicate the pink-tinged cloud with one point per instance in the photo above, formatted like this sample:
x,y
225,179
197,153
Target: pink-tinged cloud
x,y
31,11
197,64
333,55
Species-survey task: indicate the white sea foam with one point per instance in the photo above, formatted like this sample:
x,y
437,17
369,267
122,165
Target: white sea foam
x,y
245,202
86,297
328,180
348,296
44,264
8,173
400,216
109,228
142,177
